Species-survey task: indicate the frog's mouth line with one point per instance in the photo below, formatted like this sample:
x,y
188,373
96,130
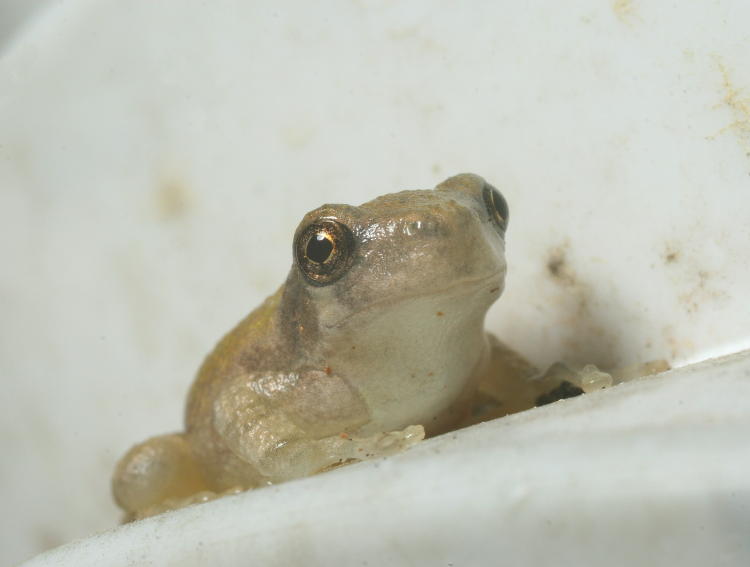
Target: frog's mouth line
x,y
472,285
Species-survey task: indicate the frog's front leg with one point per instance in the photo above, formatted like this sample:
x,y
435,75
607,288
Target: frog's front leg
x,y
510,383
290,425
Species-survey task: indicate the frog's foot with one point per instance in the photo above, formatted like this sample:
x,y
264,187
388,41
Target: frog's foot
x,y
175,503
386,443
350,449
511,384
155,473
566,382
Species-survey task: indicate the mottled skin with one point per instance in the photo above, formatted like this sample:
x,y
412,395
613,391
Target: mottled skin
x,y
319,375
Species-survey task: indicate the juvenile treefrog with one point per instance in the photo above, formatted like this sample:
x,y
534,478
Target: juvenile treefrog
x,y
375,340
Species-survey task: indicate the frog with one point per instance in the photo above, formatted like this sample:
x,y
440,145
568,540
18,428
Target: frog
x,y
374,342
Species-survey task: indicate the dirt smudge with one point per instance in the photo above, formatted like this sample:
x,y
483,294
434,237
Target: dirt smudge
x,y
173,200
677,346
739,104
701,292
558,267
588,337
697,284
624,10
671,254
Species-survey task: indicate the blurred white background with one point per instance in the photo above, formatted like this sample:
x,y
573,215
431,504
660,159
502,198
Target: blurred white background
x,y
156,157
15,14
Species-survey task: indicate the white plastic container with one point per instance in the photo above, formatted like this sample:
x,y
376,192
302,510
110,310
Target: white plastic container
x,y
647,473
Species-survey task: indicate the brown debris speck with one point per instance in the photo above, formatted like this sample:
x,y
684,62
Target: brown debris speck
x,y
558,268
172,199
671,254
739,103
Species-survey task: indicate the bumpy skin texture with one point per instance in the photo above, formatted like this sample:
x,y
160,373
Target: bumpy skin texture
x,y
320,375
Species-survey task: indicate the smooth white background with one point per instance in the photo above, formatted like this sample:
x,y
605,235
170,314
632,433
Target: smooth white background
x,y
156,157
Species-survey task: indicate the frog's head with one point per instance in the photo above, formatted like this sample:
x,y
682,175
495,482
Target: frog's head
x,y
446,244
392,296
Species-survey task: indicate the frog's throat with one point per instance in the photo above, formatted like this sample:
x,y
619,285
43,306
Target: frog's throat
x,y
466,286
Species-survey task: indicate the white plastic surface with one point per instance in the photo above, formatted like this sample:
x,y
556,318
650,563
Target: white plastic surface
x,y
155,158
611,478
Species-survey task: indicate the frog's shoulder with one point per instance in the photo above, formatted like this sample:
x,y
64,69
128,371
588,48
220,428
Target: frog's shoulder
x,y
235,347
252,330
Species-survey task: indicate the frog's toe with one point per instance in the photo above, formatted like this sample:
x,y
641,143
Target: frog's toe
x,y
397,441
157,470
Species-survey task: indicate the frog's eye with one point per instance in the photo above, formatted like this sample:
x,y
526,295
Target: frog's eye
x,y
496,205
323,251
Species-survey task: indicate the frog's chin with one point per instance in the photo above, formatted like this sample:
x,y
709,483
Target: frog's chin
x,y
412,358
479,292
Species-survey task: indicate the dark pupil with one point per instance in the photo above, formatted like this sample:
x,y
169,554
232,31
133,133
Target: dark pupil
x,y
319,248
